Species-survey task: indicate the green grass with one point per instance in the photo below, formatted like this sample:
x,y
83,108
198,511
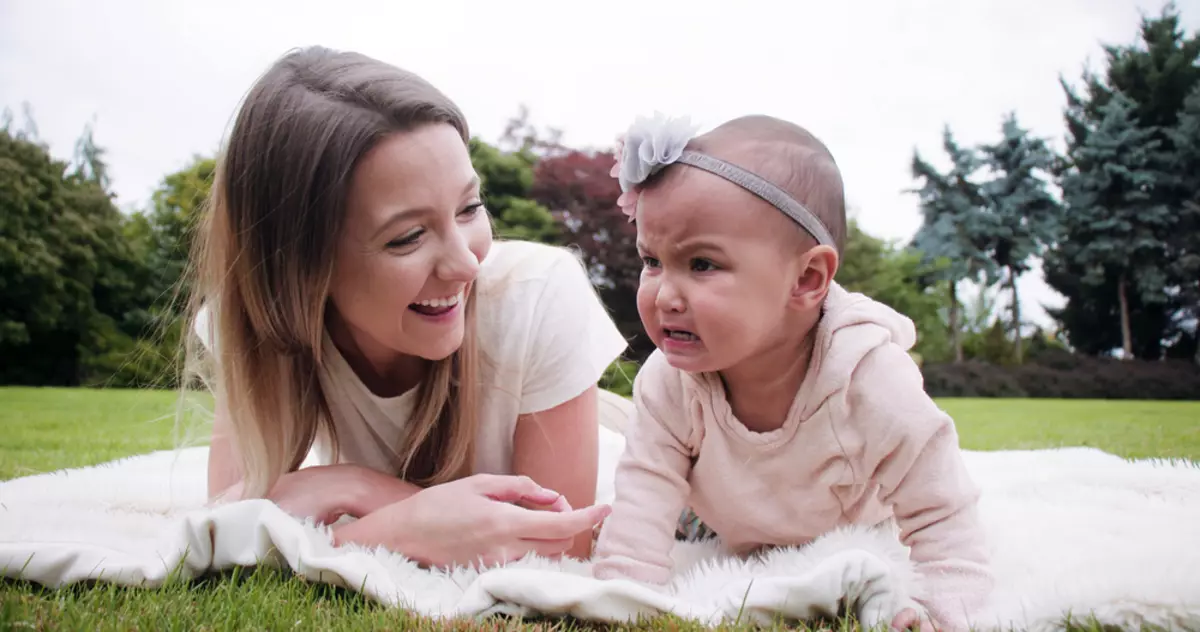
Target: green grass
x,y
47,429
1132,429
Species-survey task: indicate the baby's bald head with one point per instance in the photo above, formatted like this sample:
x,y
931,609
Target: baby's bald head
x,y
787,156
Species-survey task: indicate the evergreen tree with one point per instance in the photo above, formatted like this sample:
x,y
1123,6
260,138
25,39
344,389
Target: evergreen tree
x,y
1117,226
954,230
1023,217
1156,74
1185,239
89,160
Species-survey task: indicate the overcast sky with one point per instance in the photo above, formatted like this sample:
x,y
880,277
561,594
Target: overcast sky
x,y
162,79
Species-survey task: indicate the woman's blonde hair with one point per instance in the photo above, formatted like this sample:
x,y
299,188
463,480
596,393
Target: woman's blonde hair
x,y
264,261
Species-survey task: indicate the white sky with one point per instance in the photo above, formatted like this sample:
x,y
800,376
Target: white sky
x,y
162,78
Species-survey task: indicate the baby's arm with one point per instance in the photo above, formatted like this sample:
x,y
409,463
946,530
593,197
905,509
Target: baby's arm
x,y
651,483
914,446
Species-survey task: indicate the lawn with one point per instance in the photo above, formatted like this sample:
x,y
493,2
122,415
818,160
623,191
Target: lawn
x,y
46,429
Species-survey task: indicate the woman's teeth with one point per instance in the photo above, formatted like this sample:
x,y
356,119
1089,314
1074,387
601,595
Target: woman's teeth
x,y
449,301
436,306
685,336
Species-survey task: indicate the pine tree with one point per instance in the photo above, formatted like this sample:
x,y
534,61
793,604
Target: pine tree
x,y
1023,217
1156,73
1118,229
1185,239
954,227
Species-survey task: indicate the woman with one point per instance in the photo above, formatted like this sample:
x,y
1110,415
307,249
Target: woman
x,y
350,298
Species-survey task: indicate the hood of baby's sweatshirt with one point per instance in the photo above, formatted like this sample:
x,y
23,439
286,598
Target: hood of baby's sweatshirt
x,y
852,325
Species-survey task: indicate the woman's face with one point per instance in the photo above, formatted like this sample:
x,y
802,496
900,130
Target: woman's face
x,y
414,234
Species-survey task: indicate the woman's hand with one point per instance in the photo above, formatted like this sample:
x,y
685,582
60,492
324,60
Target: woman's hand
x,y
559,447
474,520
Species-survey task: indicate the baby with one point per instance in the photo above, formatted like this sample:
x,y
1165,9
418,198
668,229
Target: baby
x,y
777,406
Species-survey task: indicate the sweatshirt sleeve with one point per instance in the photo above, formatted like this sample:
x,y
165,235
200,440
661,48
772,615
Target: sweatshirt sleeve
x,y
651,482
913,450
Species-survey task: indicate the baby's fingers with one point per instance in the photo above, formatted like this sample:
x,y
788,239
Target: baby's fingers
x,y
906,620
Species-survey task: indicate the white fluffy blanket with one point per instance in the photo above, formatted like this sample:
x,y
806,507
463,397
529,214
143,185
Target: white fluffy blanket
x,y
1074,532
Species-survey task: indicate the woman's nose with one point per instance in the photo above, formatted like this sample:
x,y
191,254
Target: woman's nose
x,y
458,263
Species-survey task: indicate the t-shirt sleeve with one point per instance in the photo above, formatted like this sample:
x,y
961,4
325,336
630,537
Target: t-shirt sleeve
x,y
572,338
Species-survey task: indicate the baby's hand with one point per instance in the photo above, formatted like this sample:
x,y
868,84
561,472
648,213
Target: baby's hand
x,y
908,619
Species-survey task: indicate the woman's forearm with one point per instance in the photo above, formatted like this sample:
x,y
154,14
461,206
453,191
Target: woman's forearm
x,y
376,490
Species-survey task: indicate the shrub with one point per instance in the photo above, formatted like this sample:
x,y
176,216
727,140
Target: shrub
x,y
1062,375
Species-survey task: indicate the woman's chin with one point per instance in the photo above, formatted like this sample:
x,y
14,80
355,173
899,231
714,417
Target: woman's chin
x,y
440,348
434,338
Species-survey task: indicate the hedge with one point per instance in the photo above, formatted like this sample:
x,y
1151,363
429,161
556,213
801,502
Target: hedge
x,y
1062,375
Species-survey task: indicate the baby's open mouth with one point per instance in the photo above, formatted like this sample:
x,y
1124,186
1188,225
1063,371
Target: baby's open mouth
x,y
681,335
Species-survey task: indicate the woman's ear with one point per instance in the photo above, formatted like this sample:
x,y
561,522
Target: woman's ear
x,y
815,273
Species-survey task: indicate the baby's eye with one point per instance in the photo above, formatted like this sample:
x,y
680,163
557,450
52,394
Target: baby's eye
x,y
703,265
650,262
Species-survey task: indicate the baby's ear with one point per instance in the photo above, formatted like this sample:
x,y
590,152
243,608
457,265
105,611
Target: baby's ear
x,y
815,272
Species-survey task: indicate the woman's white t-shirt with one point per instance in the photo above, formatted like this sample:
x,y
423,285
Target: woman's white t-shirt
x,y
544,337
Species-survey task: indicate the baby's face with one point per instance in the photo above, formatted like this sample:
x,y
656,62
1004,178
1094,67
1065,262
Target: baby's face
x,y
718,268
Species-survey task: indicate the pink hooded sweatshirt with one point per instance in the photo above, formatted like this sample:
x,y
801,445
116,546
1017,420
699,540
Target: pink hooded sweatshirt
x,y
862,443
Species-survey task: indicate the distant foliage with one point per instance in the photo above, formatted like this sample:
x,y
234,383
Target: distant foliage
x,y
506,180
90,295
896,277
68,277
955,232
1122,241
577,188
1128,260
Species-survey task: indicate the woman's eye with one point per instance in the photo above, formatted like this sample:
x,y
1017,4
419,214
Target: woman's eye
x,y
703,265
406,240
471,210
650,262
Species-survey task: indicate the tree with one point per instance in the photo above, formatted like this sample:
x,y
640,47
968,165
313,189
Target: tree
x,y
506,182
67,275
1024,218
521,135
954,228
577,188
89,160
1185,241
164,232
1156,74
162,235
1117,228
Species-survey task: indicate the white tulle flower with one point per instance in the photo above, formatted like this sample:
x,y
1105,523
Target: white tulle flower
x,y
651,144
